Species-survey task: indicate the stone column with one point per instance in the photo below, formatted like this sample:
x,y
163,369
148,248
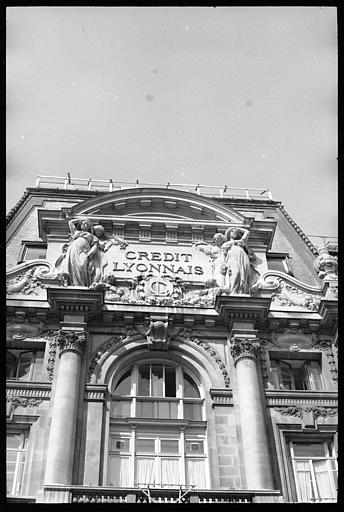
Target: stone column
x,y
61,446
254,439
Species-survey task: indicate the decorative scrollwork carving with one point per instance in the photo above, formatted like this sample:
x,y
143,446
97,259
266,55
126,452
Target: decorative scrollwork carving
x,y
299,411
120,335
244,347
18,401
189,335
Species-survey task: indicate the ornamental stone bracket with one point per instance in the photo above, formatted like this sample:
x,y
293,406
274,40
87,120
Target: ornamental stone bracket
x,y
223,397
242,308
95,392
75,300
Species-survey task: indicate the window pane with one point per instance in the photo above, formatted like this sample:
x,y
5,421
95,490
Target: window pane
x,y
157,380
309,450
194,447
38,365
14,441
169,446
286,375
118,471
193,411
190,388
301,379
195,473
323,481
170,381
124,384
145,473
170,471
120,409
316,376
145,445
303,476
33,253
146,409
24,365
143,387
276,264
119,445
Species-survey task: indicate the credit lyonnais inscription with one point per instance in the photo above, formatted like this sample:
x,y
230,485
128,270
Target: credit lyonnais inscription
x,y
187,263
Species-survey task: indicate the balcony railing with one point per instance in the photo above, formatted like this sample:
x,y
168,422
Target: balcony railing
x,y
151,494
223,191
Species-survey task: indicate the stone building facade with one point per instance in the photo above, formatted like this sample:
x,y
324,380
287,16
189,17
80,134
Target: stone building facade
x,y
167,345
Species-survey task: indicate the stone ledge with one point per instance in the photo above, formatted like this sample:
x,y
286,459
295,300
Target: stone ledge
x,y
298,398
28,389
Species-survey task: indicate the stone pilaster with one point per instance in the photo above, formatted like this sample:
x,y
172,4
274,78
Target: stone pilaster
x,y
63,423
244,350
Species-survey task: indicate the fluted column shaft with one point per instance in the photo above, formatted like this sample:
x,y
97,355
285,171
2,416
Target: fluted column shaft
x,y
254,439
60,453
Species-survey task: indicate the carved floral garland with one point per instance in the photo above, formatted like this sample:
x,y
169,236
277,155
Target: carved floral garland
x,y
18,401
189,336
299,411
120,335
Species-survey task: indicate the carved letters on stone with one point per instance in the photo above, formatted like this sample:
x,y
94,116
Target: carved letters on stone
x,y
244,347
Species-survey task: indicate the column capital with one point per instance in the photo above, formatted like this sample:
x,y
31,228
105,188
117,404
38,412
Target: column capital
x,y
71,340
244,346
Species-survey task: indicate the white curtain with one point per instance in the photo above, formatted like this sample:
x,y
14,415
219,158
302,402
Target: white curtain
x,y
323,479
170,471
304,480
195,473
145,473
118,471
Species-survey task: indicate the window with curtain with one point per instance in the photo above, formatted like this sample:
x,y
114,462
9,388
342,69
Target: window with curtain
x,y
16,443
25,365
296,374
315,470
157,447
157,459
157,390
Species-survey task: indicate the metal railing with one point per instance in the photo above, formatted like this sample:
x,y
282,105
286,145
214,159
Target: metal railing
x,y
69,183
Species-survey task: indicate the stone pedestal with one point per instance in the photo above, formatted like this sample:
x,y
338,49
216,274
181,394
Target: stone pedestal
x,y
60,453
254,439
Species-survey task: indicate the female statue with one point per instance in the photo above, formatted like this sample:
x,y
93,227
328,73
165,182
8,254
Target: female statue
x,y
76,261
237,261
99,259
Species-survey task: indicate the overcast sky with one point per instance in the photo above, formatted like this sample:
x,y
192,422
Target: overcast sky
x,y
240,96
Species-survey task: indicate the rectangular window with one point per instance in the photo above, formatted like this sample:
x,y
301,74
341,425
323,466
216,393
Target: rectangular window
x,y
15,462
280,262
24,365
288,374
315,470
32,251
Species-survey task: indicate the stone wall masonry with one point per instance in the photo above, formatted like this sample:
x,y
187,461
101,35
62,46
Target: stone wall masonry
x,y
227,448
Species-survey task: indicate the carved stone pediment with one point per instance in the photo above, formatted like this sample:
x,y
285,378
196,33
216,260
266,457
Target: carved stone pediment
x,y
290,293
31,277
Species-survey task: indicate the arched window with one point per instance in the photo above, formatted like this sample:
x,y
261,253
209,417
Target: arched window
x,y
166,453
156,390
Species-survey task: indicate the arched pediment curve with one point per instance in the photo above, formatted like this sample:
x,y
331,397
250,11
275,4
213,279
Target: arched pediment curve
x,y
184,352
154,203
